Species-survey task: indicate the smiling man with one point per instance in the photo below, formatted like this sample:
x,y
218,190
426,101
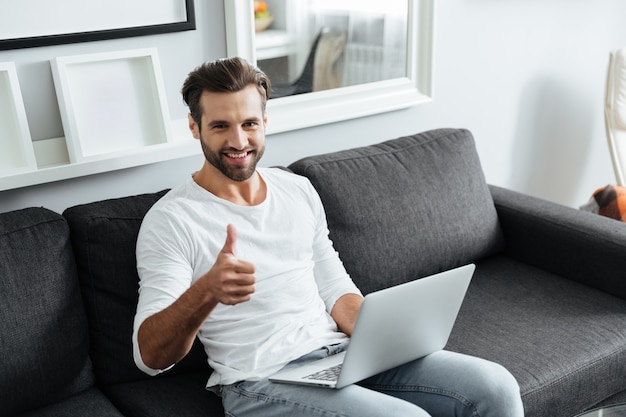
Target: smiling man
x,y
239,256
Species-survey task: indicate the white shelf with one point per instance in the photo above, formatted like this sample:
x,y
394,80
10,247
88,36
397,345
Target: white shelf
x,y
273,43
114,115
53,162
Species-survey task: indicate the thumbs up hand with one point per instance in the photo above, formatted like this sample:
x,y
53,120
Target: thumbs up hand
x,y
230,280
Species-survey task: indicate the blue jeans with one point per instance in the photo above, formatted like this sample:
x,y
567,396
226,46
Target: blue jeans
x,y
441,384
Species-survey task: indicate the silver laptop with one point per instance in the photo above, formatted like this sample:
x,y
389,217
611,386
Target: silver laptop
x,y
395,326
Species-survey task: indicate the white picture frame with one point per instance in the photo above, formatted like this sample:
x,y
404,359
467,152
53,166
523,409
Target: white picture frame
x,y
111,103
28,23
16,146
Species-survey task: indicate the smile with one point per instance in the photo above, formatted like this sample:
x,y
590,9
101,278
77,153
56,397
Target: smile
x,y
240,155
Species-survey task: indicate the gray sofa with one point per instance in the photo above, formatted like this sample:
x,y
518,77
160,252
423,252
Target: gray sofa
x,y
548,299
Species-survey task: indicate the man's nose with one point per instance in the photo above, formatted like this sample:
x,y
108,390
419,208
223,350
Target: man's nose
x,y
239,139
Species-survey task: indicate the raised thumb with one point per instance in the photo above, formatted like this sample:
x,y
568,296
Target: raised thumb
x,y
231,240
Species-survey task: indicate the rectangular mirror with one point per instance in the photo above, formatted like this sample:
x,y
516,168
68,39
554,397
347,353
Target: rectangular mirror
x,y
333,60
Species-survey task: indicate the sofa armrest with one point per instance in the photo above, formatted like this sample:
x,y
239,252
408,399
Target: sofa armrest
x,y
574,244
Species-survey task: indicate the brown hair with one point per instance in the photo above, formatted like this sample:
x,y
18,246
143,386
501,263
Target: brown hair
x,y
227,75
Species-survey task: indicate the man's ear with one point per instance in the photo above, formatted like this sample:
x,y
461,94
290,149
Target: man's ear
x,y
193,126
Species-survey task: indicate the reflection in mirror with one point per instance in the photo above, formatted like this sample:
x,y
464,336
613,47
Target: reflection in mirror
x,y
404,69
316,45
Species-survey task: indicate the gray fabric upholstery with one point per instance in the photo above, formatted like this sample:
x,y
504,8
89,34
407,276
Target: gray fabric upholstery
x,y
406,208
91,403
615,399
104,235
579,245
44,342
181,395
563,341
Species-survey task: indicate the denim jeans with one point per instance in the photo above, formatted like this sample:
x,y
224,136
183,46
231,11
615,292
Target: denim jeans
x,y
441,384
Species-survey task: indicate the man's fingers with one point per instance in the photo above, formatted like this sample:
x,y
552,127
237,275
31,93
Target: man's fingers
x,y
239,293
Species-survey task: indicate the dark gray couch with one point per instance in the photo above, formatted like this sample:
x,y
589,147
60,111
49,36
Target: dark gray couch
x,y
547,300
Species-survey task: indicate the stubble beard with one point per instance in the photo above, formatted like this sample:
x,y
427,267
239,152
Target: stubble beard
x,y
235,173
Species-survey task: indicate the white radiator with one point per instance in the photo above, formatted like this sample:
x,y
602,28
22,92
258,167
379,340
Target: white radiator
x,y
368,63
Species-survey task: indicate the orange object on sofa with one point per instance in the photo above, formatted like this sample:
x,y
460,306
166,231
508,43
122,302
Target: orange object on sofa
x,y
608,201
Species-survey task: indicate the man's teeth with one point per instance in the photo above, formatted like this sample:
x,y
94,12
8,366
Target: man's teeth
x,y
237,155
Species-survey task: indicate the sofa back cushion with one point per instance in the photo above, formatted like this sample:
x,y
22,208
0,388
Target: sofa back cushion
x,y
44,341
407,207
104,235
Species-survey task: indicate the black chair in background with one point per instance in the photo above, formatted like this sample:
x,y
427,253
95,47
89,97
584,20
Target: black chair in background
x,y
304,83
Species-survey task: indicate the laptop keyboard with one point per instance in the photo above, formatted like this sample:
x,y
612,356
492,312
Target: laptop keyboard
x,y
329,374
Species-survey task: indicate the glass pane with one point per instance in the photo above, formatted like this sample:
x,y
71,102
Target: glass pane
x,y
316,45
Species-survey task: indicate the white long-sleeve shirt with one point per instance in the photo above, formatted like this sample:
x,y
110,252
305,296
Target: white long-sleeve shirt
x,y
299,275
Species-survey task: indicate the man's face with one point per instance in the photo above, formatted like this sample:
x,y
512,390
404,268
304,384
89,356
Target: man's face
x,y
232,131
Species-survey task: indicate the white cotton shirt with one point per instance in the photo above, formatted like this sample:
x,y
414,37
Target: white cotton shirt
x,y
299,275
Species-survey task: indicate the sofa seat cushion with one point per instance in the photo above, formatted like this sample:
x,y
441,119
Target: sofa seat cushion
x,y
104,235
181,395
92,403
44,342
565,342
406,208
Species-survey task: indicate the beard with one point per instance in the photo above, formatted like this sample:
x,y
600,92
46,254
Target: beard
x,y
237,173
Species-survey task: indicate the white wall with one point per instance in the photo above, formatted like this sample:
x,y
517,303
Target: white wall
x,y
526,77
